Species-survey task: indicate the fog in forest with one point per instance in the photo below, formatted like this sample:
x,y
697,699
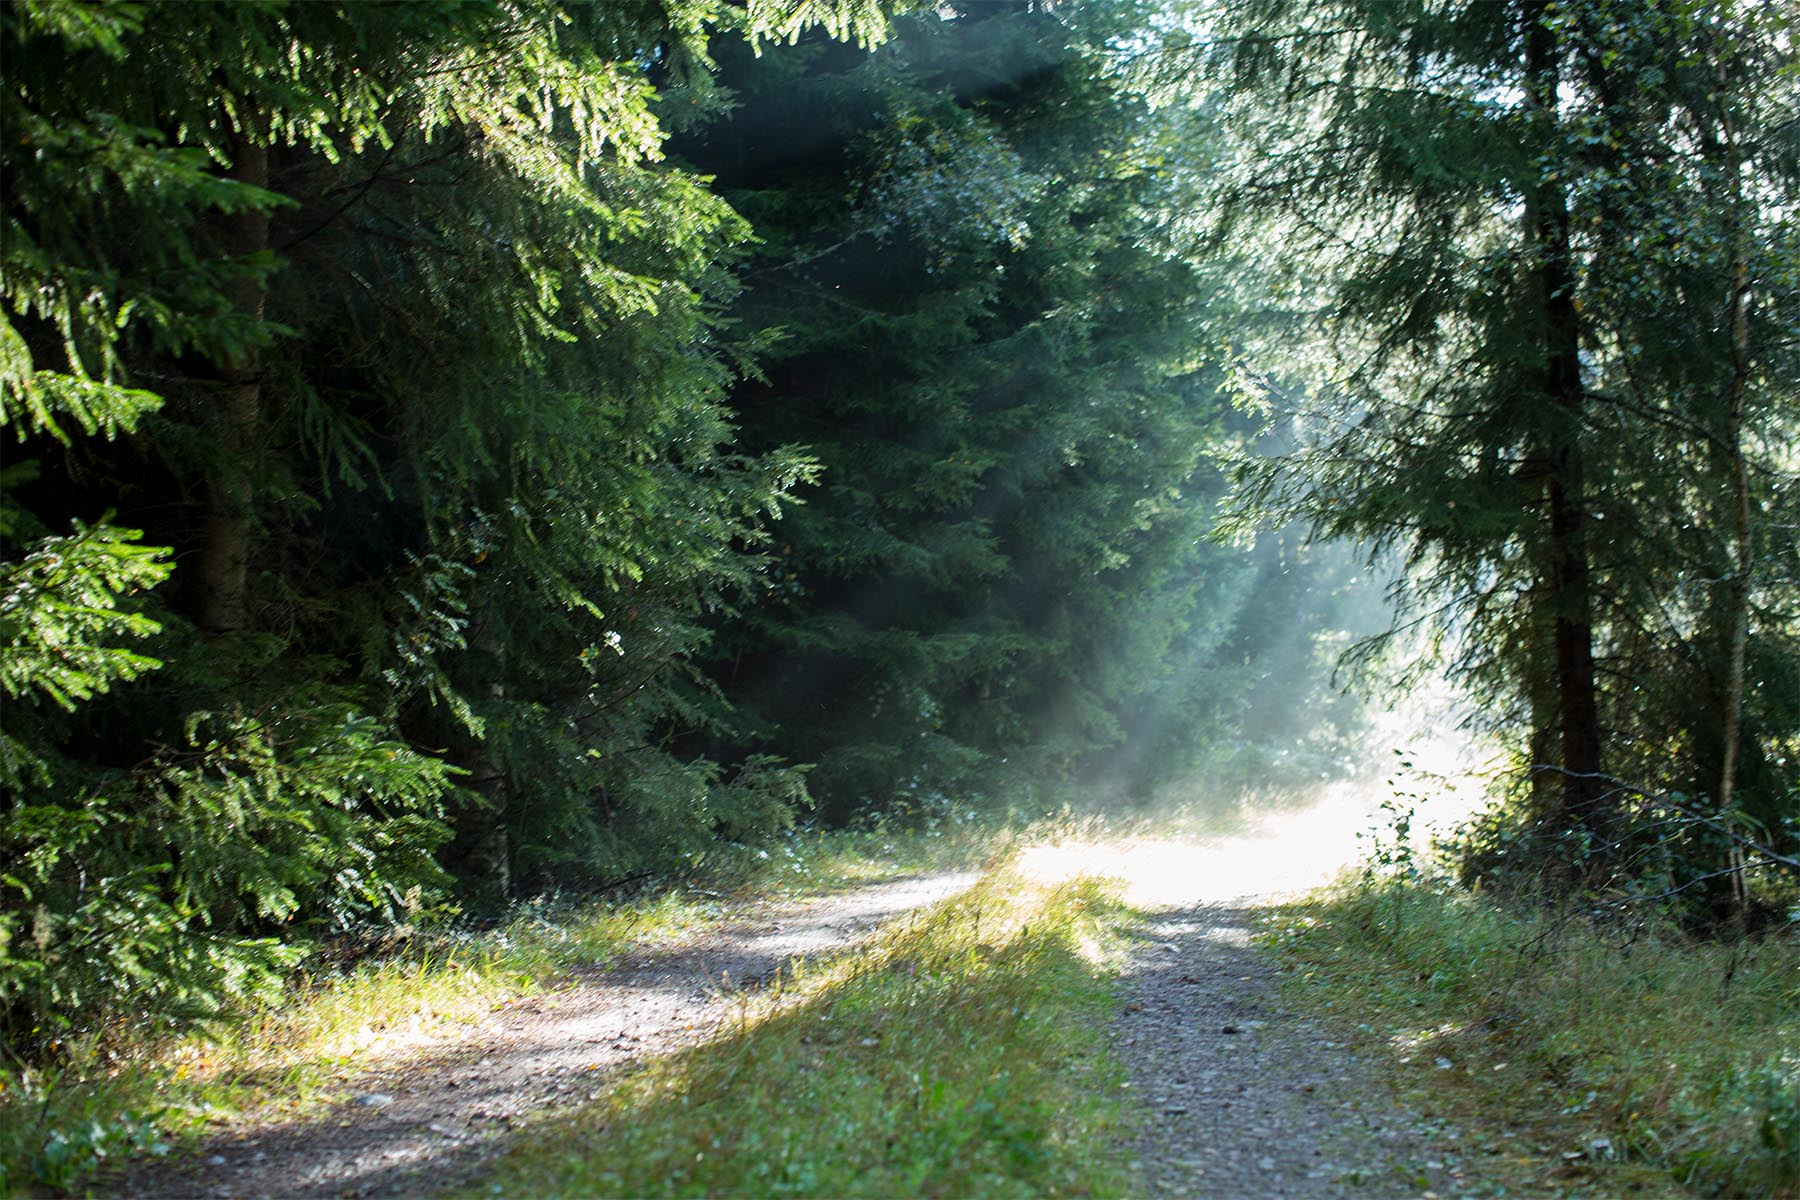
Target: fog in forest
x,y
527,474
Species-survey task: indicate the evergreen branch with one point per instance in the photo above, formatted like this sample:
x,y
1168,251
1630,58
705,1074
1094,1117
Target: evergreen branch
x,y
354,198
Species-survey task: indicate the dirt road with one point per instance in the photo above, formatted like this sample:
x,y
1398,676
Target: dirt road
x,y
417,1125
1241,1097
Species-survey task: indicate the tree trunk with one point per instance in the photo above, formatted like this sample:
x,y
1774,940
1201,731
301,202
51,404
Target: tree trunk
x,y
482,849
1738,584
225,532
1543,748
1569,588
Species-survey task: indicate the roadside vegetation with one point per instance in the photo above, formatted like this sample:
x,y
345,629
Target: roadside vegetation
x,y
1587,1052
120,1091
962,1054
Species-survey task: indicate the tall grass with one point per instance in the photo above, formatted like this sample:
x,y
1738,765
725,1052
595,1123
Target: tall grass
x,y
1609,1050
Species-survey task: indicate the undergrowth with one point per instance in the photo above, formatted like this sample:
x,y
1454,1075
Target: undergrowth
x,y
961,1054
106,1095
1612,1055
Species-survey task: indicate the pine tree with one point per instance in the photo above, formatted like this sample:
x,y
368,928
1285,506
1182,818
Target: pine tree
x,y
1526,295
983,329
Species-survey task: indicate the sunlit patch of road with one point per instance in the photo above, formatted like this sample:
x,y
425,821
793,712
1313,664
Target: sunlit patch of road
x,y
1237,1093
1421,763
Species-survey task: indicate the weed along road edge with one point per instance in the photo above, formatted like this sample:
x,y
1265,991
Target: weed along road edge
x,y
416,1125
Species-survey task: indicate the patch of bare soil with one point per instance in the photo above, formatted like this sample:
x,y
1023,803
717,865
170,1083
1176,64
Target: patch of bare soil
x,y
418,1125
1243,1097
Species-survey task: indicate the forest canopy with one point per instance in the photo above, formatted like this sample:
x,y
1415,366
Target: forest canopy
x,y
457,450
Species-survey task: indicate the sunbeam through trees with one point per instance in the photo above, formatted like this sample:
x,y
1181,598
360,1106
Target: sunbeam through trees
x,y
469,451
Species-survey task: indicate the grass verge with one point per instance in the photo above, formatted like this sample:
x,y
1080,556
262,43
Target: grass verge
x,y
1599,1061
962,1053
110,1095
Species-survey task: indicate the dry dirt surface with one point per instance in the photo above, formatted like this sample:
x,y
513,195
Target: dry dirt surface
x,y
419,1125
1243,1098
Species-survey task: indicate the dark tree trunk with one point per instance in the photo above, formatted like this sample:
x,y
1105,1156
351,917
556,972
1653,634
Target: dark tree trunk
x,y
225,533
1543,747
1569,588
1743,562
482,850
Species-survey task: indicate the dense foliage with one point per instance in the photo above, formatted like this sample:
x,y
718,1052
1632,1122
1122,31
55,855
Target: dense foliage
x,y
1541,260
387,328
399,423
984,328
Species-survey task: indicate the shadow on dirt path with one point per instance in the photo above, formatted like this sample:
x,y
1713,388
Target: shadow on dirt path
x,y
420,1124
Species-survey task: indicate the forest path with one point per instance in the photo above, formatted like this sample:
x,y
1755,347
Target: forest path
x,y
416,1125
1242,1096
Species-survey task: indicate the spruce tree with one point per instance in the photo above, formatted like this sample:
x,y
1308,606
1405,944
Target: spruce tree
x,y
983,326
390,324
1540,256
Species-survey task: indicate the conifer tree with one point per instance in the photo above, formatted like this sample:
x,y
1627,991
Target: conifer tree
x,y
390,324
1541,255
986,332
156,841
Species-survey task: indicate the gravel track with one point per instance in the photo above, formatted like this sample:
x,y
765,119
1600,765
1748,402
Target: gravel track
x,y
1243,1097
419,1125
